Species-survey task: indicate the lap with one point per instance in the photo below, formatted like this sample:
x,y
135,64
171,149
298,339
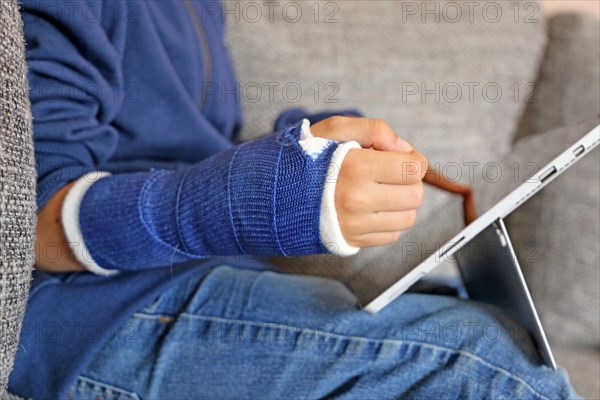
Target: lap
x,y
245,334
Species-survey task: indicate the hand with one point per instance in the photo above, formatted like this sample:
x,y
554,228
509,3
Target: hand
x,y
379,187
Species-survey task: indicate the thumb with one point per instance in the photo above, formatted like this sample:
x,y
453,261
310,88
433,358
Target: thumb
x,y
378,134
368,132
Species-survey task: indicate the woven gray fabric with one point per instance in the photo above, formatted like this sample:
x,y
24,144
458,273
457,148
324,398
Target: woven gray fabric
x,y
568,86
583,366
9,396
17,186
375,56
563,220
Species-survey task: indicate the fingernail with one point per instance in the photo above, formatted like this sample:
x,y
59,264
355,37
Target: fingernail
x,y
404,145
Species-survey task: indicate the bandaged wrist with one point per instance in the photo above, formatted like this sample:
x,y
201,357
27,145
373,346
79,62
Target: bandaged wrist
x,y
330,230
70,222
266,197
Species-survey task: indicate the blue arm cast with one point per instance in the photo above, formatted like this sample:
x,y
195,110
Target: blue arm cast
x,y
259,198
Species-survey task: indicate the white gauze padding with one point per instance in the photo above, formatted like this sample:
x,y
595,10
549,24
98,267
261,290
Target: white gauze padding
x,y
70,222
330,230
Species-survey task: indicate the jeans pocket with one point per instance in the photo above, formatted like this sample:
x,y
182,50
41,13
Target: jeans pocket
x,y
90,389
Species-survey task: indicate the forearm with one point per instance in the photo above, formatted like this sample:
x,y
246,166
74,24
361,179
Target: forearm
x,y
260,198
273,196
52,250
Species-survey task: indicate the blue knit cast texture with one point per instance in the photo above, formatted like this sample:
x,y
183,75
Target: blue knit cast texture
x,y
259,198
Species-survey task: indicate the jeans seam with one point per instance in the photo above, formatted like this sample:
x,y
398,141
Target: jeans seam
x,y
93,385
468,354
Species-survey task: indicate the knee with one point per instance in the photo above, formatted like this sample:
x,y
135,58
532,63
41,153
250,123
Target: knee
x,y
300,295
480,331
455,324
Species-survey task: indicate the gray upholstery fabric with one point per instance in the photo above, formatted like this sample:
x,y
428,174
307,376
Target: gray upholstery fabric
x,y
17,185
564,219
9,396
374,55
568,86
583,364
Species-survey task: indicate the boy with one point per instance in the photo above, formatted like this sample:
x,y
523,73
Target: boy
x,y
141,186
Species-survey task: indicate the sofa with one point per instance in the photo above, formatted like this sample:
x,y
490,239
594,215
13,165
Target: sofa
x,y
487,91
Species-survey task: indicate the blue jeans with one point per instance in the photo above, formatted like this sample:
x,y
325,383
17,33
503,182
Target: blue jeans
x,y
239,334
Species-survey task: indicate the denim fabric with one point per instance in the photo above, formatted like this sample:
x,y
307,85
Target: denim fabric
x,y
234,333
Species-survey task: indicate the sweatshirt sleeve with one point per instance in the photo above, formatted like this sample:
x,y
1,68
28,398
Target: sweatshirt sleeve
x,y
259,198
73,72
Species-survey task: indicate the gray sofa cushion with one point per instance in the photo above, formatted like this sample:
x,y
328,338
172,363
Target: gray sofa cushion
x,y
583,365
373,57
568,86
17,186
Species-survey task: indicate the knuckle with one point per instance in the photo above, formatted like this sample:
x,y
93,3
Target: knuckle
x,y
419,194
423,165
415,195
382,125
355,243
352,226
411,170
360,242
356,164
335,120
358,201
352,159
351,201
410,219
378,126
341,199
392,237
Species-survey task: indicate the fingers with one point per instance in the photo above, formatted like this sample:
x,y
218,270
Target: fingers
x,y
397,169
380,222
375,239
379,186
434,178
438,180
367,132
376,197
378,134
396,197
386,167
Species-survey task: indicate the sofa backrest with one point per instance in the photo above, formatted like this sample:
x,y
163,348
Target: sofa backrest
x,y
451,77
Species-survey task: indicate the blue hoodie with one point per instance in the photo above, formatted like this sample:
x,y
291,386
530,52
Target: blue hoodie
x,y
120,87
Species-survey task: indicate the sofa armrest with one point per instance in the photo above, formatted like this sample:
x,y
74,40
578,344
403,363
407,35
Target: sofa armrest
x,y
17,185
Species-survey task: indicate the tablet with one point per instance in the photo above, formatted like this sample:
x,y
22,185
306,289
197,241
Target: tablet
x,y
498,212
